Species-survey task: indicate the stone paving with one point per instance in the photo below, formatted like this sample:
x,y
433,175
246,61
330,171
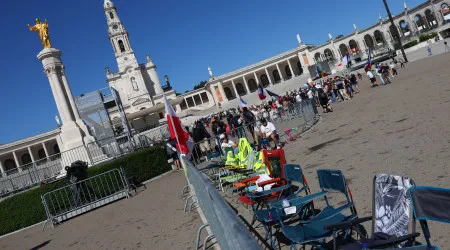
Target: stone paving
x,y
154,219
402,128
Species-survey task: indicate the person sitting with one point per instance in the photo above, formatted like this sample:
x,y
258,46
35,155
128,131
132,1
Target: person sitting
x,y
268,130
226,143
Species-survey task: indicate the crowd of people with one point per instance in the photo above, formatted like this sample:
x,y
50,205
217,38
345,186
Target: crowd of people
x,y
257,121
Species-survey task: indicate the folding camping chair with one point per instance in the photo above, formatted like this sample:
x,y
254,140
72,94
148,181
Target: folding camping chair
x,y
390,215
274,160
429,203
313,232
303,204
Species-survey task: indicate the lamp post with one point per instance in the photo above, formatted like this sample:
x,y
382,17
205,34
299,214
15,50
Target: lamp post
x,y
395,36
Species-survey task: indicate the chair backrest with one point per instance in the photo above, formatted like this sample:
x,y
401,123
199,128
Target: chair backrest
x,y
293,172
275,160
244,151
227,149
391,202
332,180
430,203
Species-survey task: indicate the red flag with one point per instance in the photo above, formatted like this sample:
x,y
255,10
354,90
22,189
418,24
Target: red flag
x,y
261,94
178,133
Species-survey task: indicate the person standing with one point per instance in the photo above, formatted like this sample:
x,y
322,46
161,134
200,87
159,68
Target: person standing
x,y
429,47
372,78
354,82
385,73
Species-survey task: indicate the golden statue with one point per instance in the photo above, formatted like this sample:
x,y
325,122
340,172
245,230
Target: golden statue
x,y
42,30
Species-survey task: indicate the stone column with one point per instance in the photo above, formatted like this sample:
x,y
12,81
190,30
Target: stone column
x,y
72,136
256,79
280,73
178,107
222,92
268,76
214,94
246,86
2,169
45,150
234,88
290,67
31,154
17,161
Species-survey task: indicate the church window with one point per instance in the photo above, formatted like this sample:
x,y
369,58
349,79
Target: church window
x,y
121,46
111,15
134,84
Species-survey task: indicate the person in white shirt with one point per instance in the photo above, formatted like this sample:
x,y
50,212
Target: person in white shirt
x,y
268,130
298,98
372,78
226,143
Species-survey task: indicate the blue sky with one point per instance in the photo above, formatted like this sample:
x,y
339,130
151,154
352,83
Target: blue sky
x,y
183,38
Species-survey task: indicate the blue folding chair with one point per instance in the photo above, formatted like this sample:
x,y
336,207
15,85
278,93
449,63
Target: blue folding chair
x,y
429,203
312,231
303,204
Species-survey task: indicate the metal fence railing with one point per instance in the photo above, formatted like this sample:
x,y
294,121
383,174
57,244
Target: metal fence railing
x,y
32,174
226,227
300,115
50,168
74,199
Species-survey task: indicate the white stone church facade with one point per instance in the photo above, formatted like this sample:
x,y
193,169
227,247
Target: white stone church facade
x,y
140,88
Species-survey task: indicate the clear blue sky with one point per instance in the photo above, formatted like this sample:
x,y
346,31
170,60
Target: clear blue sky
x,y
183,38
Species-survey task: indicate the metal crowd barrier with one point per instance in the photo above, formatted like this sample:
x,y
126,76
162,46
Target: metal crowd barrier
x,y
74,199
226,227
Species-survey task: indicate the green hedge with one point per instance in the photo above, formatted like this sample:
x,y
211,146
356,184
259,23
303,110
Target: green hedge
x,y
425,37
410,44
26,209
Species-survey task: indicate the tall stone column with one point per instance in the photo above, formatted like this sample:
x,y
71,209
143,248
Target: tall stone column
x,y
2,169
268,76
222,92
234,88
45,150
290,67
72,136
280,73
246,86
87,135
16,160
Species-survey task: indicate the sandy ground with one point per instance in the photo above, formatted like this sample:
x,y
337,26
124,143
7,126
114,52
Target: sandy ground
x,y
402,129
154,219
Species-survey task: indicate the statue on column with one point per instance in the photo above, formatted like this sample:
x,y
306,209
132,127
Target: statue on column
x,y
330,36
299,39
42,29
210,72
354,27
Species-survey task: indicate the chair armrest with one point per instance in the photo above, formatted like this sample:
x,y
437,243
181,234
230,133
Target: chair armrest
x,y
271,181
256,195
251,179
394,241
346,224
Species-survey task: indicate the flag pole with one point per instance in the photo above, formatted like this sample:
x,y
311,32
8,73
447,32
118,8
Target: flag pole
x,y
176,134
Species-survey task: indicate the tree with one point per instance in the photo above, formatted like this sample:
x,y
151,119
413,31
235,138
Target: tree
x,y
200,85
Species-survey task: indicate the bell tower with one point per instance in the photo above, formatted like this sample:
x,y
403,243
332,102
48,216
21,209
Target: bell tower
x,y
119,38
